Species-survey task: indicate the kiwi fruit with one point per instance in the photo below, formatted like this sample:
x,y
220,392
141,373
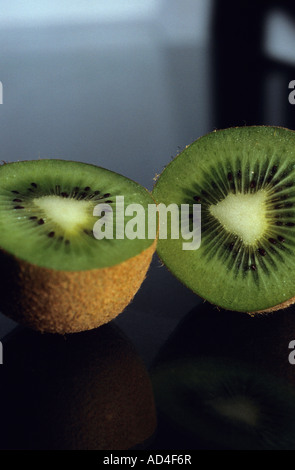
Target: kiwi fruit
x,y
244,180
86,391
217,404
56,275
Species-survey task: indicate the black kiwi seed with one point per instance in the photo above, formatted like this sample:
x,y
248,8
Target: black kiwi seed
x,y
33,217
34,185
261,251
15,192
197,198
40,221
106,195
253,267
290,224
87,188
17,200
64,194
51,234
229,176
272,240
96,193
281,239
18,207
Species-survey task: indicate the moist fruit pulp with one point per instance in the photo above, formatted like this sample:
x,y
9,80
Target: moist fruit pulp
x,y
55,275
244,180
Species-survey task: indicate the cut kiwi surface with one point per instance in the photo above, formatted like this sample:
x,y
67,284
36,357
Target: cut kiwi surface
x,y
216,404
56,274
244,180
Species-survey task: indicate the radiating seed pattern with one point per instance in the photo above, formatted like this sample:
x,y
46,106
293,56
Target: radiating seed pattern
x,y
22,200
278,180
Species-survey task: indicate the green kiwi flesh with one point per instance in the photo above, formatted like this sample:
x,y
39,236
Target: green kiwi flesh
x,y
216,404
46,214
59,272
244,179
86,391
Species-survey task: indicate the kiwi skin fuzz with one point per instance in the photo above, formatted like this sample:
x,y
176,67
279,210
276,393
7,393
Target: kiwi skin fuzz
x,y
62,302
281,306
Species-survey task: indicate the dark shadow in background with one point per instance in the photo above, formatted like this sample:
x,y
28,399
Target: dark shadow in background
x,y
241,69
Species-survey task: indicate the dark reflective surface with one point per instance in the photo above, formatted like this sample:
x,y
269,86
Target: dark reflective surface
x,y
125,97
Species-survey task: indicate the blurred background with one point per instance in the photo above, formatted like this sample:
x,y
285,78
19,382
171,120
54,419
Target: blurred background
x,y
127,84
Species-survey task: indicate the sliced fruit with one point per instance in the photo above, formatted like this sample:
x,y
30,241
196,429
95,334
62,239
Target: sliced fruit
x,y
59,272
244,180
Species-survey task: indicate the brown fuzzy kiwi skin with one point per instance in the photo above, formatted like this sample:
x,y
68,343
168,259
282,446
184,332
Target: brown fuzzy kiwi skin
x,y
62,302
280,306
86,391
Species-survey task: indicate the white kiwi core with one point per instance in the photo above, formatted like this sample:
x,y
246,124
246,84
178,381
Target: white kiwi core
x,y
68,213
243,215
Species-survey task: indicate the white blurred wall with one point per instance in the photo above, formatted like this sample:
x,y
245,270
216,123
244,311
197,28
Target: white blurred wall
x,y
180,20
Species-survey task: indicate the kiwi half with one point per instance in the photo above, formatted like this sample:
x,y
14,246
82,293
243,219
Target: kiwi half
x,y
212,403
55,275
244,179
86,391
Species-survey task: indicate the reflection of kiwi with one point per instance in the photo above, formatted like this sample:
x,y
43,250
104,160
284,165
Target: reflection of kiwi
x,y
262,341
244,180
217,404
56,275
79,391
